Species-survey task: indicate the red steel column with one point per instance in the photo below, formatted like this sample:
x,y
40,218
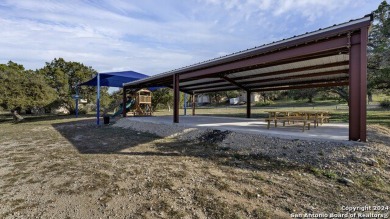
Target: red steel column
x,y
193,104
124,102
358,87
176,98
248,104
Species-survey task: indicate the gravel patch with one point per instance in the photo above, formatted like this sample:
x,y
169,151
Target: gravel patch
x,y
319,153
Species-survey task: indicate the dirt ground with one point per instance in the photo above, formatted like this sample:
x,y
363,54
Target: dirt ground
x,y
74,169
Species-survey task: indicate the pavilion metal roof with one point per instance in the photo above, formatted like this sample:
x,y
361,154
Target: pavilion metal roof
x,y
315,59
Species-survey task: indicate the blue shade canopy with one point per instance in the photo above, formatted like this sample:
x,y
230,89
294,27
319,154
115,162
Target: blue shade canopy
x,y
115,79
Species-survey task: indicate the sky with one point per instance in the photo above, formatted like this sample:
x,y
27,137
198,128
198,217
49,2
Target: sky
x,y
152,36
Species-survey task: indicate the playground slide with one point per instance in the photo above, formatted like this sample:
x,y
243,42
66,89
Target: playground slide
x,y
129,104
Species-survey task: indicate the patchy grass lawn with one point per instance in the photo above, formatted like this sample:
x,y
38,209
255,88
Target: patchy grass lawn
x,y
338,113
61,167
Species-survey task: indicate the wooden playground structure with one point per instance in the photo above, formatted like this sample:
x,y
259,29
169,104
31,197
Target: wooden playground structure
x,y
137,103
142,103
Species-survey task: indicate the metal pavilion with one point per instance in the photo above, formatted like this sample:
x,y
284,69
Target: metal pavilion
x,y
333,56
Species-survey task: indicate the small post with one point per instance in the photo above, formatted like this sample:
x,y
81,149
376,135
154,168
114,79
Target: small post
x,y
193,104
248,104
124,102
77,102
185,104
176,98
98,100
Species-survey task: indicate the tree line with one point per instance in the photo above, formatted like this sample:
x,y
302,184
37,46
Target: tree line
x,y
51,86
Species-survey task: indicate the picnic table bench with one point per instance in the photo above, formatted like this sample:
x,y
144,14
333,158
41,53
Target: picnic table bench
x,y
306,117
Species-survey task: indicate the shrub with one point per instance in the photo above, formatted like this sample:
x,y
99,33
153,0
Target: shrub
x,y
267,103
385,104
83,111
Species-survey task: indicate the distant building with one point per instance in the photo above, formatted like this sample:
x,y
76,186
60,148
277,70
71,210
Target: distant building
x,y
203,99
60,111
255,97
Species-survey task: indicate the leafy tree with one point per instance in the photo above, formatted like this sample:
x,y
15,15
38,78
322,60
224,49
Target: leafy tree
x,y
163,96
217,97
379,50
270,95
309,94
23,88
232,94
342,92
64,76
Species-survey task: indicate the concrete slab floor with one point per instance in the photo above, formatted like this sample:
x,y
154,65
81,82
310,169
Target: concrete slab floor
x,y
327,131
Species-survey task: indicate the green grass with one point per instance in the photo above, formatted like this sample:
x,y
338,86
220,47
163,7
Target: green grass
x,y
376,98
373,182
338,112
326,173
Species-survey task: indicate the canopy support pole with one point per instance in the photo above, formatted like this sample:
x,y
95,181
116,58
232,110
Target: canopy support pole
x,y
185,104
124,102
193,104
176,98
77,101
248,104
98,100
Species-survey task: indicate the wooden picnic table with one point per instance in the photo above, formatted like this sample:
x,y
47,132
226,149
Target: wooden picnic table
x,y
305,116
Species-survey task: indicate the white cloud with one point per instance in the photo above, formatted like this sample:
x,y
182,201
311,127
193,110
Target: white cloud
x,y
152,37
309,8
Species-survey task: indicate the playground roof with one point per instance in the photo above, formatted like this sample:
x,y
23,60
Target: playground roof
x,y
115,79
315,59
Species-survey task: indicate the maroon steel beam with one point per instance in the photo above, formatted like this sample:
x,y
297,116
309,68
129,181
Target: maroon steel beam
x,y
193,104
233,82
176,98
295,70
272,57
168,79
255,88
363,83
248,83
333,84
215,86
320,54
248,104
299,76
300,82
358,87
124,102
215,90
328,84
182,90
